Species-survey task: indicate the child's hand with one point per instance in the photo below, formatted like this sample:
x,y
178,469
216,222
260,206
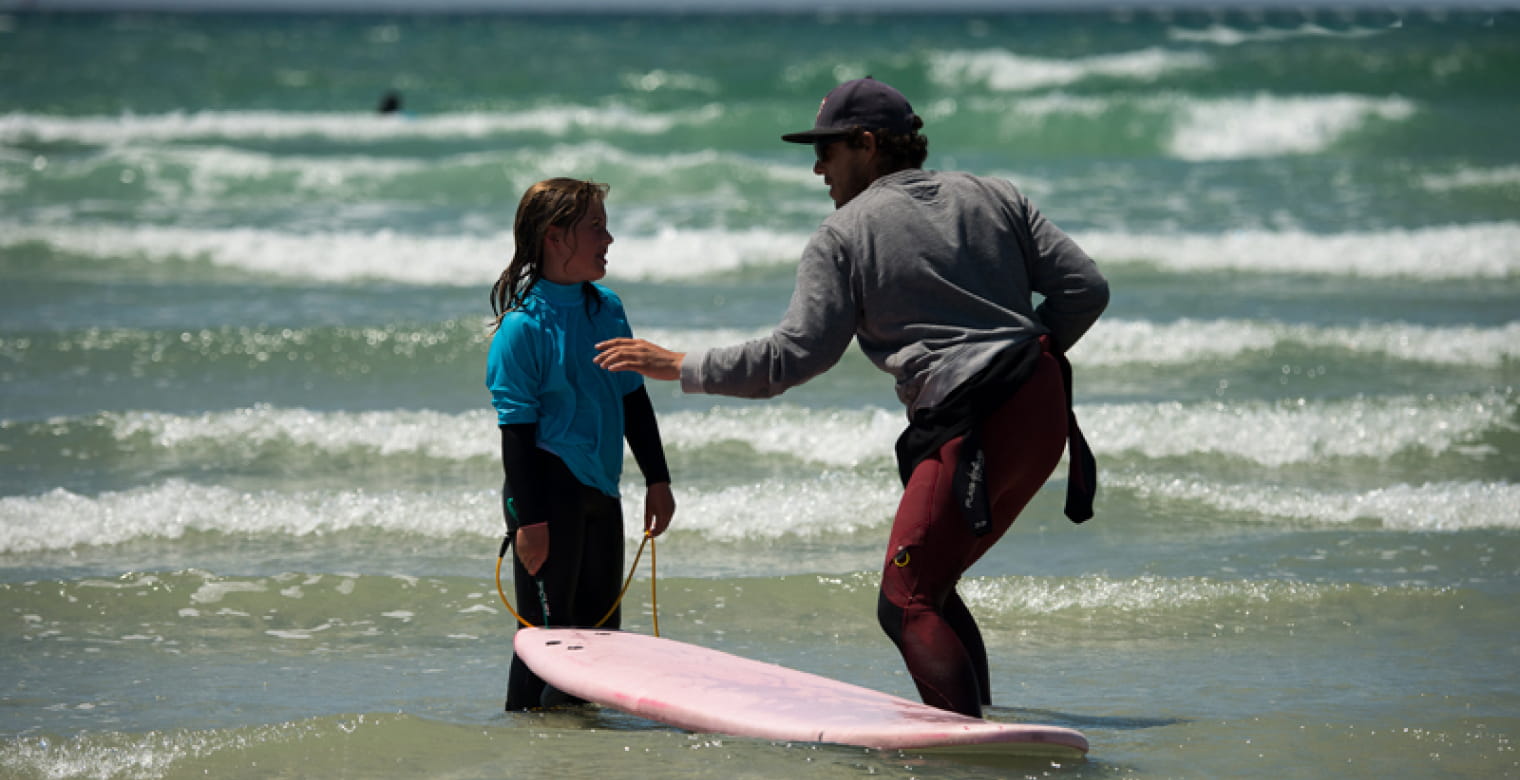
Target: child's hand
x,y
532,545
659,507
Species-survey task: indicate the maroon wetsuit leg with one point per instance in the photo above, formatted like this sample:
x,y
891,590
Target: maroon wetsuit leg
x,y
932,544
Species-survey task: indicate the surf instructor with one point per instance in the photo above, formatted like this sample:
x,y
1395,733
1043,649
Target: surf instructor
x,y
934,275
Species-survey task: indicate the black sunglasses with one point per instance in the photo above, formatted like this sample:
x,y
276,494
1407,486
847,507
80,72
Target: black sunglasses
x,y
821,148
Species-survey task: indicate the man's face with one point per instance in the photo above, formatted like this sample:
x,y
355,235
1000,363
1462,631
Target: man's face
x,y
847,170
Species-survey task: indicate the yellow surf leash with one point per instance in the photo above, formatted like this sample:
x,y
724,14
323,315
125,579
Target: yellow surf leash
x,y
653,600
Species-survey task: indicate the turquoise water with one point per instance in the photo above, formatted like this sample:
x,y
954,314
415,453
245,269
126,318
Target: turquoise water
x,y
248,508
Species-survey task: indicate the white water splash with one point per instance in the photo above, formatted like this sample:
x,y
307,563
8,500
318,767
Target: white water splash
x,y
1269,433
1004,70
1274,125
1434,506
1117,342
1476,251
345,127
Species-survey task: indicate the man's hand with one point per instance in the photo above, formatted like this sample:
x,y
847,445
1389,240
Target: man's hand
x,y
649,359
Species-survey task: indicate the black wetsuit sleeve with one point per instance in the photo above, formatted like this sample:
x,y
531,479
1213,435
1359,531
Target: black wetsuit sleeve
x,y
643,434
521,499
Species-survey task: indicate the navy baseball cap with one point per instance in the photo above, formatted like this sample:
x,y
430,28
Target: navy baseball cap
x,y
866,103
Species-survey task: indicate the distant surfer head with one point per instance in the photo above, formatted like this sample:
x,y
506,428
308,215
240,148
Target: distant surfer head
x,y
560,234
390,102
865,129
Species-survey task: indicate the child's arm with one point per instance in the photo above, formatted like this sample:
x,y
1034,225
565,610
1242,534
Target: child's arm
x,y
520,495
642,431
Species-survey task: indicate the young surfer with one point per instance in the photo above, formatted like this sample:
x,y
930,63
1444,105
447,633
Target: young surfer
x,y
933,274
563,420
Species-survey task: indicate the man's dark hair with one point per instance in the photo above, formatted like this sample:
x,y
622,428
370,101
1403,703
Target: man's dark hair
x,y
895,151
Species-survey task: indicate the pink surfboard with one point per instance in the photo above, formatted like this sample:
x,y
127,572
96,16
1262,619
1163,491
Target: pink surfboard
x,y
705,690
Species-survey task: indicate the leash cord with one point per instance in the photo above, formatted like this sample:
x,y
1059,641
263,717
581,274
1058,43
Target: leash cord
x,y
653,600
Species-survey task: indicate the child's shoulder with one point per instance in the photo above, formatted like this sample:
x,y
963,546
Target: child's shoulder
x,y
521,322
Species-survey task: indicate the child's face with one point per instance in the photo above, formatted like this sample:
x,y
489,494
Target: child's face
x,y
580,253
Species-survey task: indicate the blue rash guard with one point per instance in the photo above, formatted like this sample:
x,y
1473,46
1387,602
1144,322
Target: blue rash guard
x,y
539,370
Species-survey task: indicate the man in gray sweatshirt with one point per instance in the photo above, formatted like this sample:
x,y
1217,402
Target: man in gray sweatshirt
x,y
933,274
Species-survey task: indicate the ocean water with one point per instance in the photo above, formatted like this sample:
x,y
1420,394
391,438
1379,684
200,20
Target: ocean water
x,y
248,479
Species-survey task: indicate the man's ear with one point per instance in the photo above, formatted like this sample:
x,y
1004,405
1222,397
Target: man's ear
x,y
868,145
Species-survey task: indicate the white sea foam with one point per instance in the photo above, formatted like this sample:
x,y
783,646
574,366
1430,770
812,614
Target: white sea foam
x,y
661,79
152,754
1297,431
1203,128
1269,433
203,174
1434,506
343,256
1272,125
1003,70
1118,342
1226,35
331,257
59,519
212,592
346,127
1275,434
1504,177
1482,250
1194,128
213,170
832,502
1211,128
136,754
1114,342
827,436
1045,595
433,434
686,253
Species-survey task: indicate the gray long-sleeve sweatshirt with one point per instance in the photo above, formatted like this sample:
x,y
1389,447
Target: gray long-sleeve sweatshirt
x,y
933,273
